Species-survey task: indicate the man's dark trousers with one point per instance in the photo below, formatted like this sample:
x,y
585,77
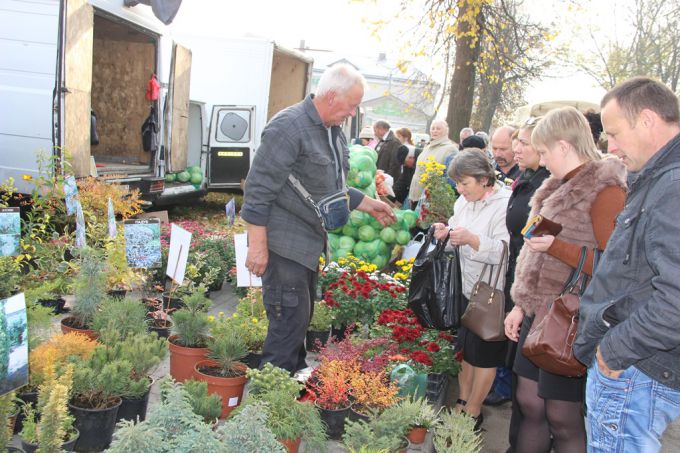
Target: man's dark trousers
x,y
288,291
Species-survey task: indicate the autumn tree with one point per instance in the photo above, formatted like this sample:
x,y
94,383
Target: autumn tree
x,y
515,51
651,48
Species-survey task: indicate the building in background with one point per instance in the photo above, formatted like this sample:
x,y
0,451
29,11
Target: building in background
x,y
398,93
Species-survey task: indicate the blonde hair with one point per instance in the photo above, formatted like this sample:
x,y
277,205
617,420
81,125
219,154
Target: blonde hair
x,y
569,125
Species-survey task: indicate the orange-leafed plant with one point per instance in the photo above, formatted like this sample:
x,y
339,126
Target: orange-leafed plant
x,y
372,390
57,351
94,196
330,383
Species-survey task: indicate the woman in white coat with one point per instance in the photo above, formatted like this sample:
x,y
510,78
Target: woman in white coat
x,y
478,227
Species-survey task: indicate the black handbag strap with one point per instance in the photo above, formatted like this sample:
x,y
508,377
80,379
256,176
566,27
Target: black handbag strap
x,y
577,274
500,266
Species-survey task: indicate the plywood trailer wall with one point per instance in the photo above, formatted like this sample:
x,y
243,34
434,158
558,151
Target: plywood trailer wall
x,y
123,61
289,79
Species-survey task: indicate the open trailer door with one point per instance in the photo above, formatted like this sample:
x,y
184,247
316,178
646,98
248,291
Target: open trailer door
x,y
77,84
177,111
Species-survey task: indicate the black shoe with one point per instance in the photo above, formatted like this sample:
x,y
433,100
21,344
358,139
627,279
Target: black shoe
x,y
478,421
494,399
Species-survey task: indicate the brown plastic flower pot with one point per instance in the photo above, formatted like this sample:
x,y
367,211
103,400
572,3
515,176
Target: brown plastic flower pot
x,y
183,360
230,389
292,446
67,325
417,435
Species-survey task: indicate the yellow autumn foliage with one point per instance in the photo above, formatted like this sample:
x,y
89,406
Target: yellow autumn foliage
x,y
56,351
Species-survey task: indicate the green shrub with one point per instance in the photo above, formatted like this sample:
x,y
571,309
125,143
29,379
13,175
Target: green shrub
x,y
271,378
118,319
247,431
191,324
207,405
89,286
456,433
322,318
9,276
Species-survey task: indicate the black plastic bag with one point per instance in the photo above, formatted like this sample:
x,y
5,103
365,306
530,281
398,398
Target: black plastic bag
x,y
436,291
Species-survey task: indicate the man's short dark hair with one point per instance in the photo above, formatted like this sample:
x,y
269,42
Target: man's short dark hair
x,y
382,124
639,93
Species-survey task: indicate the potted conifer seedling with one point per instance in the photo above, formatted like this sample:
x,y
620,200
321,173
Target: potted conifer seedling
x,y
190,334
223,372
53,430
89,287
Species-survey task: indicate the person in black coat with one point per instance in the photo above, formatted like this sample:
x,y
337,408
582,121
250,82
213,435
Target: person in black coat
x,y
387,149
407,154
530,179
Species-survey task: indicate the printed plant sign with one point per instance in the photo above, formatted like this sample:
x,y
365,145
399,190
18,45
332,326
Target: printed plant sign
x,y
143,243
10,231
70,194
13,343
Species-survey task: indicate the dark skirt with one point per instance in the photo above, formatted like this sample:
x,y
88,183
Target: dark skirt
x,y
480,353
550,386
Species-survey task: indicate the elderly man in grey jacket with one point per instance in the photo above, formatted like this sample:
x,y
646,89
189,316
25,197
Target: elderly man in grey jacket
x,y
285,233
630,313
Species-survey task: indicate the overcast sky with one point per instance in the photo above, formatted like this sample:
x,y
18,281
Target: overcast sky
x,y
340,25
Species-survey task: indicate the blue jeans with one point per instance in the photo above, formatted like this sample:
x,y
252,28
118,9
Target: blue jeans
x,y
629,413
502,384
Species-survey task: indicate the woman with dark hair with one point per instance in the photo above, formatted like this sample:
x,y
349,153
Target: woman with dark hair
x,y
478,227
584,195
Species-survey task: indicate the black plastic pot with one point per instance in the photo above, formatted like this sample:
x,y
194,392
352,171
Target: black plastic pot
x,y
56,304
155,325
216,286
313,335
252,360
335,421
28,397
134,408
357,416
172,302
95,426
339,332
119,293
66,446
436,387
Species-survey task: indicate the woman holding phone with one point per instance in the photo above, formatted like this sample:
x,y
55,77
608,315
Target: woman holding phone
x,y
581,200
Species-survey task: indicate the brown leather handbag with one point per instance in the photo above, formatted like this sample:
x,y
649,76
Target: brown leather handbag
x,y
485,312
550,342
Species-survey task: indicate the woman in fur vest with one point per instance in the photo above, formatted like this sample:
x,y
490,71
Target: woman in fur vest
x,y
584,194
478,227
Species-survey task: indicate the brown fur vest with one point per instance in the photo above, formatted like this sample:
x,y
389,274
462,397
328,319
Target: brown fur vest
x,y
540,277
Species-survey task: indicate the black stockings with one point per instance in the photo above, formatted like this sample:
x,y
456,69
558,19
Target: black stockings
x,y
541,418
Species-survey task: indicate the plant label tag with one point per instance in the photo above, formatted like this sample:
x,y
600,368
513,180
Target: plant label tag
x,y
70,194
233,401
244,278
14,350
10,231
143,243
